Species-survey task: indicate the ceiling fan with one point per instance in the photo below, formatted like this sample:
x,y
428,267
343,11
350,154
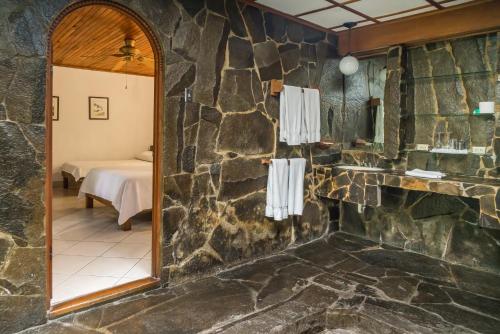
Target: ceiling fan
x,y
127,53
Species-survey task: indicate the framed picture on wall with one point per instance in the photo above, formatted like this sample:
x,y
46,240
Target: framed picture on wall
x,y
55,108
98,108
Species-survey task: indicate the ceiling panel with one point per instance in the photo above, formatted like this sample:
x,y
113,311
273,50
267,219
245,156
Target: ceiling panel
x,y
405,14
294,7
89,36
332,17
331,14
375,8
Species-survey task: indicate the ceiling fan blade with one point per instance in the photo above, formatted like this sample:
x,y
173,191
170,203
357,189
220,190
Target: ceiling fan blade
x,y
119,65
118,55
142,59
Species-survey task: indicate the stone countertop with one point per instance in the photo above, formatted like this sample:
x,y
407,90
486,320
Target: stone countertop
x,y
363,187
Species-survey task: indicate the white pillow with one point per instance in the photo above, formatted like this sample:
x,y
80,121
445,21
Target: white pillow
x,y
145,156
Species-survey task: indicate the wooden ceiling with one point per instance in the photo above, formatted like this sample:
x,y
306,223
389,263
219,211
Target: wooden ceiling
x,y
88,37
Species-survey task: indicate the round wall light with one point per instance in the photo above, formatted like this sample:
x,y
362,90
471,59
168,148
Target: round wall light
x,y
349,64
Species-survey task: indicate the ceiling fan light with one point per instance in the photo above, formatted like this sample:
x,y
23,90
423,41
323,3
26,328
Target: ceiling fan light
x,y
349,65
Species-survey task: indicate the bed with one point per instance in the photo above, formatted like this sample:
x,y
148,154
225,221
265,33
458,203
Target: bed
x,y
128,189
76,171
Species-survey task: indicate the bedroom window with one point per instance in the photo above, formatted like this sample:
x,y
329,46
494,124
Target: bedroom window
x,y
104,174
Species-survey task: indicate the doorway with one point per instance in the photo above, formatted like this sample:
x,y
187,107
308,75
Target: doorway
x,y
103,149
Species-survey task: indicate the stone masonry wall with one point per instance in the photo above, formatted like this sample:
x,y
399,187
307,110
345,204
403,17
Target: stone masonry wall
x,y
441,226
214,182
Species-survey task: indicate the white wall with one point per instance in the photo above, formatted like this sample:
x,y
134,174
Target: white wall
x,y
129,129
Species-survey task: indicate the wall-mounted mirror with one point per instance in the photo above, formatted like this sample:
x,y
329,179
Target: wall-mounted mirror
x,y
353,106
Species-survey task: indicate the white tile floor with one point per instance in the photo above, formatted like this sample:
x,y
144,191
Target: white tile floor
x,y
91,253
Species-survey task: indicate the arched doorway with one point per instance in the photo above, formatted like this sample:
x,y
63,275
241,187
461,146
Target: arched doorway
x,y
157,70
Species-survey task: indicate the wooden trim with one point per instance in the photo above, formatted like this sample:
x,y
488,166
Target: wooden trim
x,y
102,296
471,18
48,174
287,16
93,69
129,288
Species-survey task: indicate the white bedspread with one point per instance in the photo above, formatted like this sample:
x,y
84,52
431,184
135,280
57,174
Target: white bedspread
x,y
80,169
129,189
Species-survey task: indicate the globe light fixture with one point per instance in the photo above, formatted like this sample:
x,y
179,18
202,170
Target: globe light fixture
x,y
349,64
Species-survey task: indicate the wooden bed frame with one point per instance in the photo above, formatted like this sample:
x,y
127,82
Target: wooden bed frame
x,y
89,204
67,176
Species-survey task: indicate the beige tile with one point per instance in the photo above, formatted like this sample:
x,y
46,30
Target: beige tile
x,y
69,264
108,266
57,279
79,285
139,237
109,234
124,280
79,232
89,248
59,246
148,255
128,250
141,270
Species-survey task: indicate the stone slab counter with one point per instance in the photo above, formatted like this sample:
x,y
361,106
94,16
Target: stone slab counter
x,y
363,187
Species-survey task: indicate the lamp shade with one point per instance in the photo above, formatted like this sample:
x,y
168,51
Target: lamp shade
x,y
349,65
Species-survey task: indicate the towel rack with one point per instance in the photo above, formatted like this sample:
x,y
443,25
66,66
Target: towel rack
x,y
267,161
277,87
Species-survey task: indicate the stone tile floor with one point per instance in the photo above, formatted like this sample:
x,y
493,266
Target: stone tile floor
x,y
341,284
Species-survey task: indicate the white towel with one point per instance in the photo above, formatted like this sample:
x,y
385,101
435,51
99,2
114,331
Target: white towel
x,y
425,173
277,190
296,186
379,124
291,108
311,125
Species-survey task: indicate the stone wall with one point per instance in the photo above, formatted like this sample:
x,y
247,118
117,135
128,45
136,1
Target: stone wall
x,y
437,225
214,182
215,188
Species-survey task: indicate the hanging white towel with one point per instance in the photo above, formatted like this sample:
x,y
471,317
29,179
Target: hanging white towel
x,y
291,109
379,124
277,190
296,186
311,131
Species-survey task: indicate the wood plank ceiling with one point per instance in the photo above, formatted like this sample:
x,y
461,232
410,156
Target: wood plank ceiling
x,y
88,37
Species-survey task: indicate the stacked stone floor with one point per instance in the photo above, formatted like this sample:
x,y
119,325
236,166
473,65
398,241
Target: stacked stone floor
x,y
339,284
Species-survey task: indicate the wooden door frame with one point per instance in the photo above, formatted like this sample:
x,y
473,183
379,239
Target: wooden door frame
x,y
139,285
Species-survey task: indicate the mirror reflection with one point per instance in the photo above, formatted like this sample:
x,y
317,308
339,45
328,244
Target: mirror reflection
x,y
353,106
